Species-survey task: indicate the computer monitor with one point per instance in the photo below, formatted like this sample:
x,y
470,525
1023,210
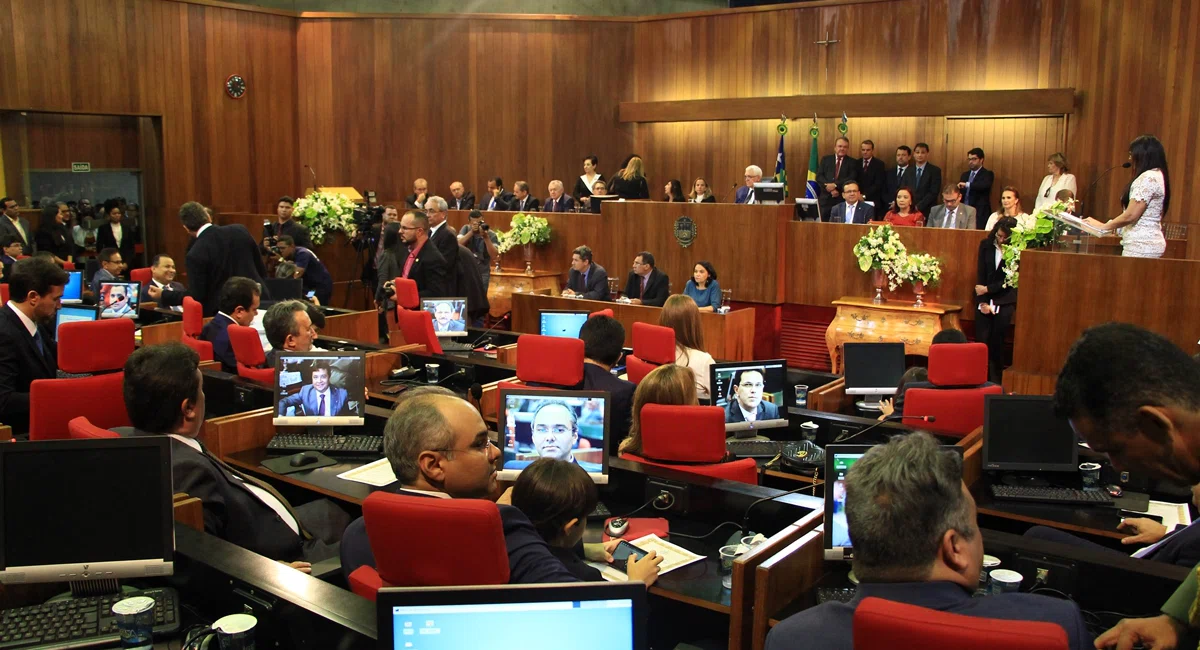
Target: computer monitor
x,y
320,389
743,387
86,510
873,368
449,315
768,193
581,616
1021,433
73,292
561,322
72,313
566,424
119,299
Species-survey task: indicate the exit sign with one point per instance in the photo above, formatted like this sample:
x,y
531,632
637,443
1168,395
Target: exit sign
x,y
81,167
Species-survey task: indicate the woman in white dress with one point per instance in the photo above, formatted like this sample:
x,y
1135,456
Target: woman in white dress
x,y
681,314
1010,206
1055,181
1145,201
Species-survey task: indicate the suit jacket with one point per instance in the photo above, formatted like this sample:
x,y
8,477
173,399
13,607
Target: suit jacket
x,y
979,194
964,217
658,288
20,365
106,239
929,187
597,283
992,276
825,174
219,253
502,202
530,204
873,183
909,180
307,398
7,229
621,404
564,204
431,272
862,213
830,625
216,331
467,202
766,411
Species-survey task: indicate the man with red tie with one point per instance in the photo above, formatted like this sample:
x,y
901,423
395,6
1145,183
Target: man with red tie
x,y
833,172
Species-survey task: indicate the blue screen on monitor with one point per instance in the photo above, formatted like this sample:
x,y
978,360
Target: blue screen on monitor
x,y
562,323
69,314
73,292
581,625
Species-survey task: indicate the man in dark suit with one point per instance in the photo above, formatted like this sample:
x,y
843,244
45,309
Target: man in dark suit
x,y
164,395
833,172
647,285
976,186
460,198
904,175
586,278
425,263
27,348
872,178
12,224
853,210
603,339
559,200
284,224
929,180
416,200
522,201
238,304
117,232
745,399
932,564
218,253
497,198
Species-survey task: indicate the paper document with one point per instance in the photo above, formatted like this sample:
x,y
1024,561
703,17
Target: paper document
x,y
378,473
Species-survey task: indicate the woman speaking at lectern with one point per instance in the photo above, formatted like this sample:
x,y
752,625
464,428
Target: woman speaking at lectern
x,y
1145,201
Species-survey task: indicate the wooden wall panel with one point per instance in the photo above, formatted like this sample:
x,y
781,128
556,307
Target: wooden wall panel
x,y
107,141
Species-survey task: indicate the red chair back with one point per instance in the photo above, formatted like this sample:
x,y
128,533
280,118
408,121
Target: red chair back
x,y
693,435
887,625
95,346
247,349
417,328
53,403
141,276
80,429
959,371
654,343
552,360
463,543
602,312
407,296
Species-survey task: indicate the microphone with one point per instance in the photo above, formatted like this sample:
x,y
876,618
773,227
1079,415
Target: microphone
x,y
314,175
890,418
1124,165
494,326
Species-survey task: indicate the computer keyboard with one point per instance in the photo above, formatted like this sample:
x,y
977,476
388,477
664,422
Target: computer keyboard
x,y
1056,495
752,448
451,346
835,594
81,622
335,444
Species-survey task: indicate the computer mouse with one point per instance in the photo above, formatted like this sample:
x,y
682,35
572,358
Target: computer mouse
x,y
1115,491
616,527
303,458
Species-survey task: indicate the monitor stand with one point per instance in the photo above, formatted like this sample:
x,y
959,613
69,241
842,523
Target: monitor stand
x,y
1024,480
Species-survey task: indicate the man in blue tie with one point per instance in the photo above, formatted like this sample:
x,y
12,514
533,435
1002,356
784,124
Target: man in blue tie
x,y
976,186
854,209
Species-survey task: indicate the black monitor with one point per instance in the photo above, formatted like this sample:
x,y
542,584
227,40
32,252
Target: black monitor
x,y
86,510
73,291
1021,433
568,425
320,389
72,313
449,315
561,322
742,387
873,368
119,299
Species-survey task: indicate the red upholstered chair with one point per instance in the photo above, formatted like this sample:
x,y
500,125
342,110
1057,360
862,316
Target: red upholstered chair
x,y
406,294
193,325
959,373
693,435
53,403
248,350
602,312
886,625
95,346
417,328
653,346
141,276
462,543
81,429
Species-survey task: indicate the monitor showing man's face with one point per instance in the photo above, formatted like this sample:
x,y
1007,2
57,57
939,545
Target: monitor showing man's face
x,y
749,389
554,431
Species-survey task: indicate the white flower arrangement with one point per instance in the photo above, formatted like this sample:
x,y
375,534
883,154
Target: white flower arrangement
x,y
325,212
923,267
881,249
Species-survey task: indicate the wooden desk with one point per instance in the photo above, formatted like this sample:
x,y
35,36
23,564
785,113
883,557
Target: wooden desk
x,y
726,337
858,320
504,284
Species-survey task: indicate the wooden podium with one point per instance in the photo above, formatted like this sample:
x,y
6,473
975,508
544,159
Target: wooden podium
x,y
859,320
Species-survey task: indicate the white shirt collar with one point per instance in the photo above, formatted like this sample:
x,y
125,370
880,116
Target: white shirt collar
x,y
440,495
202,229
749,416
29,324
191,442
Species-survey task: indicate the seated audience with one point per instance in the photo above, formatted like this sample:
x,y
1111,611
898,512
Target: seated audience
x,y
603,341
630,183
164,395
673,191
680,314
238,304
559,200
289,329
701,193
916,541
647,285
309,269
1010,206
906,213
557,497
895,405
27,348
111,267
703,287
670,385
586,279
52,234
522,201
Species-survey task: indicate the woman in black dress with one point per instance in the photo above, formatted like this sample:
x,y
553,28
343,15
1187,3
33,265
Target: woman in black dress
x,y
52,234
994,303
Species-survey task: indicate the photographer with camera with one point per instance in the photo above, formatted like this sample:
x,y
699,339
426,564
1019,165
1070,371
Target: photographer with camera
x,y
284,225
477,236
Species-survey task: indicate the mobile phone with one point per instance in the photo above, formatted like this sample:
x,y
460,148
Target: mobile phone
x,y
623,552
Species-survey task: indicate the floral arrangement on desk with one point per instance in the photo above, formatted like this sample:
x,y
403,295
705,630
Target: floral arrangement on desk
x,y
881,250
325,212
1045,231
525,229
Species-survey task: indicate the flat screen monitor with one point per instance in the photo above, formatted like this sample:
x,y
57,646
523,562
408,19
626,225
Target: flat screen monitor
x,y
118,299
449,315
581,616
1021,433
595,203
873,368
73,292
120,525
72,313
768,193
751,392
561,322
569,425
320,389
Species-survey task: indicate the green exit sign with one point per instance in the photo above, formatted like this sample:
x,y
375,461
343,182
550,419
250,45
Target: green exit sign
x,y
81,167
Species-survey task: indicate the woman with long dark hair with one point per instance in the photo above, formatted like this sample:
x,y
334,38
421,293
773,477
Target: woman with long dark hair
x,y
1144,202
52,234
994,303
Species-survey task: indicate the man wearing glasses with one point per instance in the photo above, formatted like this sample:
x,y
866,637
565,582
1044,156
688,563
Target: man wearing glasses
x,y
746,398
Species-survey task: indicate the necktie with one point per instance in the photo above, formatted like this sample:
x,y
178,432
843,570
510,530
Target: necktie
x,y
266,487
37,340
321,406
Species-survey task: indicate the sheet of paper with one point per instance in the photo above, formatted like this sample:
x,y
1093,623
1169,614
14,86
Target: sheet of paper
x,y
1171,513
378,473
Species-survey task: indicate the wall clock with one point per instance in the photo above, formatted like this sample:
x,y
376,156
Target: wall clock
x,y
235,86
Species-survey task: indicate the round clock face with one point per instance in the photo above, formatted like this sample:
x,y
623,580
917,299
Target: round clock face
x,y
235,86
